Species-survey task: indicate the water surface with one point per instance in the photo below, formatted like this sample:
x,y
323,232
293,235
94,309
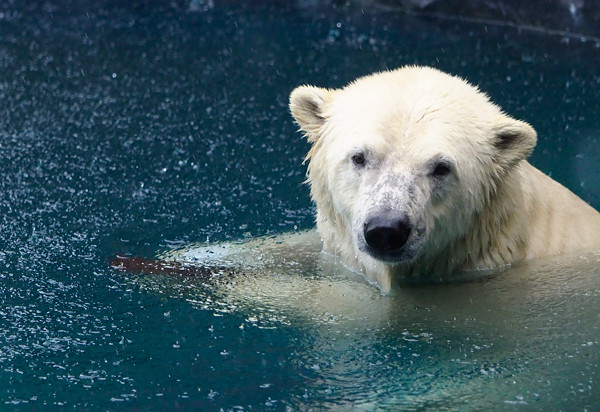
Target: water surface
x,y
138,127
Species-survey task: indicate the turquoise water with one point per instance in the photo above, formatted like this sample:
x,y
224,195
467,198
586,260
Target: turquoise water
x,y
141,127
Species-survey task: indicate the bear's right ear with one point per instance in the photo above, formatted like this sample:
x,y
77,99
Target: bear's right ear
x,y
307,104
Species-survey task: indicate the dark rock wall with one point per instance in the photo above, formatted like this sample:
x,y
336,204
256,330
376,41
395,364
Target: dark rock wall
x,y
581,17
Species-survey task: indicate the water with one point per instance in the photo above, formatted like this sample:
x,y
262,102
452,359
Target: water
x,y
140,127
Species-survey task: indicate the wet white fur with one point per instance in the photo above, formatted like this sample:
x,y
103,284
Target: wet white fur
x,y
494,208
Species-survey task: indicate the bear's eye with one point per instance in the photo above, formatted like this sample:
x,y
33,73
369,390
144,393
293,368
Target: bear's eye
x,y
359,159
441,169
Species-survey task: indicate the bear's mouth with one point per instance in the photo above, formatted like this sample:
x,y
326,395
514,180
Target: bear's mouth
x,y
402,254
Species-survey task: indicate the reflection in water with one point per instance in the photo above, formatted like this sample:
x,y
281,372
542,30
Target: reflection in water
x,y
526,336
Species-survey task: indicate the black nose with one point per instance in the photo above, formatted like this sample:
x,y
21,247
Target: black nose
x,y
386,235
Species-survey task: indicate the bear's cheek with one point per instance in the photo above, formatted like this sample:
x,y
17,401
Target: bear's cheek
x,y
447,205
345,190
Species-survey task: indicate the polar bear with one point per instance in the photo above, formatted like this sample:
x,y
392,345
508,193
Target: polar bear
x,y
415,173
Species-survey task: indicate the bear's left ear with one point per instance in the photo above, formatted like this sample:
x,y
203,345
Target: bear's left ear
x,y
308,104
513,141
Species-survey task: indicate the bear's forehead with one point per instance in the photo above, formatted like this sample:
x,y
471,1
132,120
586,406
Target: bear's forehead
x,y
410,109
382,96
402,121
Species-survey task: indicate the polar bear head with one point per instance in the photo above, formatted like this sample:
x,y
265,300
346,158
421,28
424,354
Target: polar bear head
x,y
403,162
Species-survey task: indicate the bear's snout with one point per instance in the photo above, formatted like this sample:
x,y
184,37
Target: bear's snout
x,y
387,235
